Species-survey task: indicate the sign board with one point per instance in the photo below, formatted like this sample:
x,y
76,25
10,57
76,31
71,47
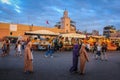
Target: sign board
x,y
13,27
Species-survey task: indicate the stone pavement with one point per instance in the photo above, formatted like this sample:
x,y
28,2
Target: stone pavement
x,y
57,68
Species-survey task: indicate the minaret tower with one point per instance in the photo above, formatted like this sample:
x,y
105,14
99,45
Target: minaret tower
x,y
65,22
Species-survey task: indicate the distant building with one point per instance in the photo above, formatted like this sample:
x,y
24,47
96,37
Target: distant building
x,y
95,32
117,34
108,30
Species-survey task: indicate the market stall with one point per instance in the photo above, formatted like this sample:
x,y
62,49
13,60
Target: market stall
x,y
41,33
73,35
69,39
42,44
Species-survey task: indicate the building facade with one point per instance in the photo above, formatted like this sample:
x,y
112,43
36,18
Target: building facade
x,y
8,29
117,34
108,30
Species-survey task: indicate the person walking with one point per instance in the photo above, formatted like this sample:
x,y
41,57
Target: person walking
x,y
8,46
50,50
104,49
74,67
23,44
95,49
28,59
83,59
4,48
60,45
98,54
18,49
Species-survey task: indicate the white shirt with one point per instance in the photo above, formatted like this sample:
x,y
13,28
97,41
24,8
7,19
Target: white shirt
x,y
98,48
19,47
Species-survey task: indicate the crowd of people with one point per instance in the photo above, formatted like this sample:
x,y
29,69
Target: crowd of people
x,y
26,46
80,53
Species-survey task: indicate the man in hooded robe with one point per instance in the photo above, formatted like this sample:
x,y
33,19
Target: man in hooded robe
x,y
83,59
28,59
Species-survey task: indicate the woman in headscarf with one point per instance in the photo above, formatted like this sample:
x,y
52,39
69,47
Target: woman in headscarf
x,y
28,59
83,59
74,67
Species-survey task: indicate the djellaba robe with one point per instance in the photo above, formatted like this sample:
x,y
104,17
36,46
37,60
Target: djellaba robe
x,y
75,58
83,60
28,57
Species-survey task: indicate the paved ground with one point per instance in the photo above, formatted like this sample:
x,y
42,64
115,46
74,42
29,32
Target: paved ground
x,y
57,68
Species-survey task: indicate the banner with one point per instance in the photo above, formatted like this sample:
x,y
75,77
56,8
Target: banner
x,y
13,27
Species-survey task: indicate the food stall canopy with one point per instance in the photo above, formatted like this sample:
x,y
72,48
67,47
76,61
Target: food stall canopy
x,y
117,38
73,35
98,37
41,32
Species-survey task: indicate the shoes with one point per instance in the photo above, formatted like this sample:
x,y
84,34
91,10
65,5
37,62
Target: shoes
x,y
28,72
106,60
82,74
31,72
46,56
73,72
51,56
96,58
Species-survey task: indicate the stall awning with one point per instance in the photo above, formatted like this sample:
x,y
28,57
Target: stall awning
x,y
41,32
73,35
115,38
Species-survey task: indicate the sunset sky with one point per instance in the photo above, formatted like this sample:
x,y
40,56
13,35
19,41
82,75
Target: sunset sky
x,y
88,14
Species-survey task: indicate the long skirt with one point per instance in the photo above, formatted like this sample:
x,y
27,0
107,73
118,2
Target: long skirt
x,y
28,65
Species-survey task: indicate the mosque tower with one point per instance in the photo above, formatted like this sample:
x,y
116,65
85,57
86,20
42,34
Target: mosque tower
x,y
65,22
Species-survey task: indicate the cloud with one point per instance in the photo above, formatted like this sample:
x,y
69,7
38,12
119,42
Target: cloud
x,y
88,14
6,2
17,10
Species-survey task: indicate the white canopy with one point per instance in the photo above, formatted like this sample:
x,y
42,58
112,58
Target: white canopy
x,y
115,38
41,32
98,36
73,35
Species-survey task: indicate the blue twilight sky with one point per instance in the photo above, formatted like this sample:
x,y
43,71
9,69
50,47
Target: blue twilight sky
x,y
88,14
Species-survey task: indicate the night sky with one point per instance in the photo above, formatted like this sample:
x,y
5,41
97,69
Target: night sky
x,y
88,14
